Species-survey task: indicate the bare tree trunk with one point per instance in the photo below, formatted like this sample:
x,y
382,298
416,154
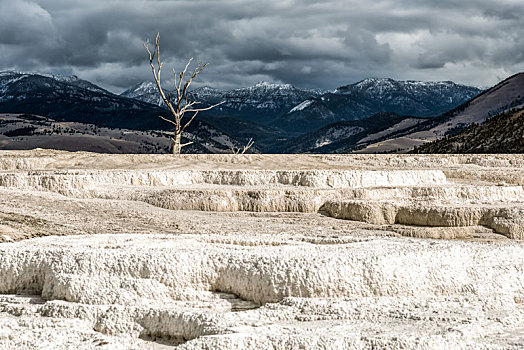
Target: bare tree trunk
x,y
176,145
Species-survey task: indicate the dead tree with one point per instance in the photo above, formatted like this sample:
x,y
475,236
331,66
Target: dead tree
x,y
180,104
244,148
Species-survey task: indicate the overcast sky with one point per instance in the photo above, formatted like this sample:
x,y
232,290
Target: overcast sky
x,y
306,43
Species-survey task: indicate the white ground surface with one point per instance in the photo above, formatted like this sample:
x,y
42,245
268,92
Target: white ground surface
x,y
258,252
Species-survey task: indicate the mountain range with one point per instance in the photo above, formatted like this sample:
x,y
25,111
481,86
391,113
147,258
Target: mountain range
x,y
262,103
370,96
373,115
296,111
500,98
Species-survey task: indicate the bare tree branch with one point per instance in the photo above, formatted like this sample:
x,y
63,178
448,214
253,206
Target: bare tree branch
x,y
181,94
168,120
187,106
197,70
189,122
244,149
156,71
204,109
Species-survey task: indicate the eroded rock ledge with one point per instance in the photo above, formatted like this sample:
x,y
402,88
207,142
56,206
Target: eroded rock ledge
x,y
426,191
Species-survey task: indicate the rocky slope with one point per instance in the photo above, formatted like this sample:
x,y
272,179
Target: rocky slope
x,y
261,103
145,91
9,77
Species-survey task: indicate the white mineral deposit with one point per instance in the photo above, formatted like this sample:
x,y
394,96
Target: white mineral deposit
x,y
261,251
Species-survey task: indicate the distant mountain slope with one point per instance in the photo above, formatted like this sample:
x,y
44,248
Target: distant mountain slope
x,y
264,136
502,97
503,133
371,96
62,100
223,117
422,98
348,136
25,131
264,102
246,111
71,99
146,92
9,77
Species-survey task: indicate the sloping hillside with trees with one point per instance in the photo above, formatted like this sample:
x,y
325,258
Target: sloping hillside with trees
x,y
503,133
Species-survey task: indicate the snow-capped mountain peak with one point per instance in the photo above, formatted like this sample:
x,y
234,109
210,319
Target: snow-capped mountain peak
x,y
140,88
9,77
207,93
389,89
145,91
273,86
207,90
384,84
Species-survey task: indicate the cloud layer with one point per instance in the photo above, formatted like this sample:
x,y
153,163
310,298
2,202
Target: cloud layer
x,y
306,43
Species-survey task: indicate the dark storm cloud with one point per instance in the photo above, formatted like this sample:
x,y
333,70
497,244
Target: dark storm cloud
x,y
307,43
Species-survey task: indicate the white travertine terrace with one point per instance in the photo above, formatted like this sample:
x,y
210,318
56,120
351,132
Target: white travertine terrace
x,y
283,252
